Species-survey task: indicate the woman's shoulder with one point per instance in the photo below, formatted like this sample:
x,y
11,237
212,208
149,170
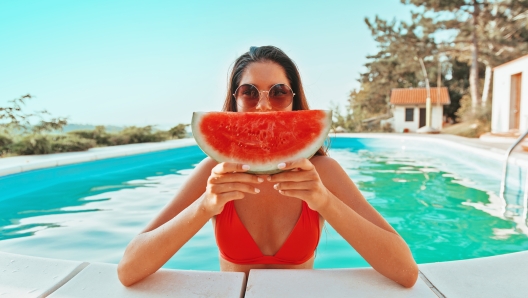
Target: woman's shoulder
x,y
323,160
325,163
206,165
209,162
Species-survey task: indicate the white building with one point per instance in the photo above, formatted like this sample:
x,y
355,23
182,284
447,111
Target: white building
x,y
408,108
510,96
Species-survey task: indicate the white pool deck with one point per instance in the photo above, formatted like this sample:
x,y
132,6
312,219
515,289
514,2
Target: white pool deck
x,y
27,276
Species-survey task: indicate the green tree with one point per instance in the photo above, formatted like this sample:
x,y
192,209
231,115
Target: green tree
x,y
396,65
14,119
487,33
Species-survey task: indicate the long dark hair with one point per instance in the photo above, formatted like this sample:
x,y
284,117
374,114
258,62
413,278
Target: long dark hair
x,y
267,54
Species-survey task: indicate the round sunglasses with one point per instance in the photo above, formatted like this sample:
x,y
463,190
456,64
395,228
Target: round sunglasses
x,y
248,96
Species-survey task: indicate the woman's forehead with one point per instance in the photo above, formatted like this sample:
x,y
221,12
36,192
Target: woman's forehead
x,y
264,75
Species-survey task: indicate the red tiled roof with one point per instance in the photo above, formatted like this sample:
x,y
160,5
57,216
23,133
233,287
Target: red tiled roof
x,y
418,96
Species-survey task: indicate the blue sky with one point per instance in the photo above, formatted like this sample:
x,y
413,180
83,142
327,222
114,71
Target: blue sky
x,y
155,62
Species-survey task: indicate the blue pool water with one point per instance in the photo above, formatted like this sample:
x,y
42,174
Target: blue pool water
x,y
441,199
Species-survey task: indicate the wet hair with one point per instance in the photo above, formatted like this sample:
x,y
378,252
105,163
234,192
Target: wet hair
x,y
267,54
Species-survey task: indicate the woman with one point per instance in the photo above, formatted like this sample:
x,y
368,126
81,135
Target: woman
x,y
268,221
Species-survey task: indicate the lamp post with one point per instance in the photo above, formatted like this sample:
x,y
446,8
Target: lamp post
x,y
427,128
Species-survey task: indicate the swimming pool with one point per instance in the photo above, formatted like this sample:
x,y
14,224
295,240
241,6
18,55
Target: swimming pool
x,y
440,197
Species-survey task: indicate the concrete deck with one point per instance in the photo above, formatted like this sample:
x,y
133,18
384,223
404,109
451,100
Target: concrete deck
x,y
25,276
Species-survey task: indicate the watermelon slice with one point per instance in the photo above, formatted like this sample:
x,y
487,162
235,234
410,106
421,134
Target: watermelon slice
x,y
261,140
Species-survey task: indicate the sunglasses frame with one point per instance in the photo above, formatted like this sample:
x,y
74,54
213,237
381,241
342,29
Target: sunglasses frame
x,y
261,92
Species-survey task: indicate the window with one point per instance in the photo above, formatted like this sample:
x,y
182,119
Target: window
x,y
409,115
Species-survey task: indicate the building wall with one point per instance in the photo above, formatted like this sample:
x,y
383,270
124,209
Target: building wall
x,y
500,115
399,117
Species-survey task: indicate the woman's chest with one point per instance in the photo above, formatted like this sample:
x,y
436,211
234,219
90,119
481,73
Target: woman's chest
x,y
269,218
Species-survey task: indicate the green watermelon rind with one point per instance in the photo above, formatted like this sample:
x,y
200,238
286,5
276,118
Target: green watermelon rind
x,y
263,168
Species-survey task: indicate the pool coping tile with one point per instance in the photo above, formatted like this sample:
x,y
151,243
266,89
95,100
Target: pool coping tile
x,y
75,159
496,276
39,165
4,171
354,282
100,280
25,276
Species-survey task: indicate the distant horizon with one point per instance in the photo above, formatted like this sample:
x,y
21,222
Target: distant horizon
x,y
131,63
119,126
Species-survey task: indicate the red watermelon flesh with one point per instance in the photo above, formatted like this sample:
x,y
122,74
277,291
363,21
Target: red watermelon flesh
x,y
261,140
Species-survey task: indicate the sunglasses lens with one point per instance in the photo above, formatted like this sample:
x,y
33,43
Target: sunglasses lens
x,y
280,96
247,96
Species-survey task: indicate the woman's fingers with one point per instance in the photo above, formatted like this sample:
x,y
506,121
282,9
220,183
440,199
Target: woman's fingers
x,y
303,164
296,176
306,171
228,182
304,185
231,187
295,193
235,177
229,167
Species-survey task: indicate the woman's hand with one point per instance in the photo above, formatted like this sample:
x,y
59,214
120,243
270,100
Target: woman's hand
x,y
227,182
301,182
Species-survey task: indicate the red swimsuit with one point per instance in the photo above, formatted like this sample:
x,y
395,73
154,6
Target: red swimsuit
x,y
237,246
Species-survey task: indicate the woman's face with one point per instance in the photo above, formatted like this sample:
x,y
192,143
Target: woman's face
x,y
264,75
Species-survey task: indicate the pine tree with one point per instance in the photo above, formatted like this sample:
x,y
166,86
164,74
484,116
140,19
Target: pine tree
x,y
396,65
487,32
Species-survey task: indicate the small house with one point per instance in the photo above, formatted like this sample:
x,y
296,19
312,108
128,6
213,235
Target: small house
x,y
510,97
408,108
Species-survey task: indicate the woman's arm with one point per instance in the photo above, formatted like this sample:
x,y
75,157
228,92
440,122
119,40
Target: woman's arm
x,y
326,188
202,196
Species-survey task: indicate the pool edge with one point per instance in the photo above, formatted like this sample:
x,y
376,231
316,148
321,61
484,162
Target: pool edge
x,y
19,164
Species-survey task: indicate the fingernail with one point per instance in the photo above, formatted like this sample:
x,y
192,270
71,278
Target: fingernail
x,y
276,186
257,190
245,167
281,165
260,179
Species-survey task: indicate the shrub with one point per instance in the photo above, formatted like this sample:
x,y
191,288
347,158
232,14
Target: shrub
x,y
99,135
70,143
32,144
387,127
479,117
80,140
178,131
5,144
141,135
45,144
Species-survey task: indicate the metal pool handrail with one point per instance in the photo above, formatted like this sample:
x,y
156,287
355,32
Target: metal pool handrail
x,y
505,168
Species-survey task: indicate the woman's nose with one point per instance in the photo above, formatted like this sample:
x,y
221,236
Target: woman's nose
x,y
264,103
